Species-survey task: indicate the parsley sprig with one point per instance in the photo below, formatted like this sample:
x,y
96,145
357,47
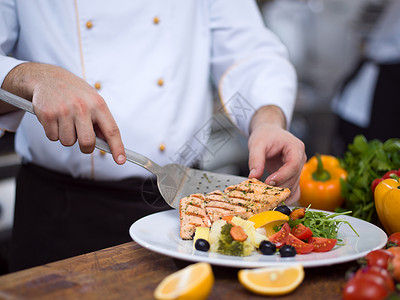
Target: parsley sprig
x,y
364,161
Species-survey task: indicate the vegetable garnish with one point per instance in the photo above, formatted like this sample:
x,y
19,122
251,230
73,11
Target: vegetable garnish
x,y
364,161
322,224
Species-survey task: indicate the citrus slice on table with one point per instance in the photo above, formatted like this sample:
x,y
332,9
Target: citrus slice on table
x,y
267,220
272,281
192,282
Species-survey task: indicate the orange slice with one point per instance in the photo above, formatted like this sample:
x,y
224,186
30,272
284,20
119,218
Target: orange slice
x,y
193,282
267,220
272,281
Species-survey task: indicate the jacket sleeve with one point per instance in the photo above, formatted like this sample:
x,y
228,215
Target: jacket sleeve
x,y
8,37
249,64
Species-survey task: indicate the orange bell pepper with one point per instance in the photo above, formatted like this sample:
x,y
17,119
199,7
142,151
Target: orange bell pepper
x,y
320,183
387,204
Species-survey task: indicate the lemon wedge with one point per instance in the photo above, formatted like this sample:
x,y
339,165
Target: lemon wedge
x,y
267,220
193,282
272,281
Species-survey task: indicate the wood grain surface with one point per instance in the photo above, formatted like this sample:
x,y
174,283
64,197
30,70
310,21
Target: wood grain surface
x,y
129,271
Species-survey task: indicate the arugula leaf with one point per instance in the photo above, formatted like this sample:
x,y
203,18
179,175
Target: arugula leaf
x,y
364,161
322,224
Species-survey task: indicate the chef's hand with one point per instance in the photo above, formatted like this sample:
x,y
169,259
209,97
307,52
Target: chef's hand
x,y
272,146
68,108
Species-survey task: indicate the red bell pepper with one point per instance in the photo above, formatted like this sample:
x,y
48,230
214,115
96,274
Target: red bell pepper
x,y
395,174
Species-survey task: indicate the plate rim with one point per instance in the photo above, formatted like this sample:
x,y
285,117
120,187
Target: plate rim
x,y
240,262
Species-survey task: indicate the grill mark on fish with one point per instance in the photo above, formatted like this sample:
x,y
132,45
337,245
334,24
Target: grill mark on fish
x,y
192,214
243,200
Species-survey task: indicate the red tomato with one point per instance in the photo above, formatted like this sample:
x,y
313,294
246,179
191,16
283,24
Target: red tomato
x,y
396,268
395,251
364,288
394,239
322,244
301,232
300,246
280,238
383,276
379,258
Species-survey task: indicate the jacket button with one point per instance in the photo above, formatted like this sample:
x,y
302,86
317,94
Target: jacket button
x,y
156,20
102,153
89,24
160,82
162,147
97,85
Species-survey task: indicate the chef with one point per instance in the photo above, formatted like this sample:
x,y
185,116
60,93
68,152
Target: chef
x,y
367,102
138,74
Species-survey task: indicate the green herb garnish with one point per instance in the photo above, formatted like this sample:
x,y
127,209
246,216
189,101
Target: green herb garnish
x,y
364,161
322,224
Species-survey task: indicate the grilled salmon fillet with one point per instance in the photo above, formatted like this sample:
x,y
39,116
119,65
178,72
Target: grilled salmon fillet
x,y
243,200
192,213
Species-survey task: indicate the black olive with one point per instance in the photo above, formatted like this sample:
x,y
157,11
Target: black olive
x,y
267,248
202,245
287,251
283,209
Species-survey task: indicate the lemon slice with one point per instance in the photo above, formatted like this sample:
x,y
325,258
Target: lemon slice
x,y
272,281
267,220
193,282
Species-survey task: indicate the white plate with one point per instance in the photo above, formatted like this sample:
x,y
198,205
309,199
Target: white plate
x,y
159,232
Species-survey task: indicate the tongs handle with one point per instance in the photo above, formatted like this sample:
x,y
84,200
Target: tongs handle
x,y
101,144
131,156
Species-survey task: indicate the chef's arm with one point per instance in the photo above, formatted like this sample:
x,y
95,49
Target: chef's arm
x,y
68,108
13,83
271,114
274,149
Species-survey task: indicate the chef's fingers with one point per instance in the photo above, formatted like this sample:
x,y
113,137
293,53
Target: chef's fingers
x,y
48,120
293,184
105,121
294,196
288,175
66,129
256,159
85,133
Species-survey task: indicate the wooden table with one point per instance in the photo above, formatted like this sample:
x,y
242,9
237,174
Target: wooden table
x,y
129,271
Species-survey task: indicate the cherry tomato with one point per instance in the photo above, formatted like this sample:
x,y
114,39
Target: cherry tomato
x,y
280,238
300,246
394,240
301,232
396,268
322,244
383,276
395,251
364,288
298,213
379,258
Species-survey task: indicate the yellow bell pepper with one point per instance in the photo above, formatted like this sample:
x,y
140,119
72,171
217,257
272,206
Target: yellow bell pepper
x,y
320,183
387,204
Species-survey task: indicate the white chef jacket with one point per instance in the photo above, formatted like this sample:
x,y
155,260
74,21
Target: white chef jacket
x,y
354,103
153,62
